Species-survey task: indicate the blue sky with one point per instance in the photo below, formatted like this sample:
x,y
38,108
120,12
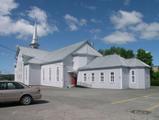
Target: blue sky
x,y
131,24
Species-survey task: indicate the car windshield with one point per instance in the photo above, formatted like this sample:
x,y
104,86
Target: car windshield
x,y
24,85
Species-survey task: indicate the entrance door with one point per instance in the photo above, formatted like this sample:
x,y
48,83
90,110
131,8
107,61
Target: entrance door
x,y
73,77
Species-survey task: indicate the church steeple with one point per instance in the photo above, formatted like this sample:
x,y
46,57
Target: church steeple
x,y
34,42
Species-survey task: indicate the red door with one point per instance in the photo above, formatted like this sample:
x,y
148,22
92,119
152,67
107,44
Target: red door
x,y
73,79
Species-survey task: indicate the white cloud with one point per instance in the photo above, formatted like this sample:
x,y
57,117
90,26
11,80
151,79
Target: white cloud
x,y
147,31
6,6
95,20
83,22
119,38
38,14
123,19
23,28
151,31
134,26
6,25
74,23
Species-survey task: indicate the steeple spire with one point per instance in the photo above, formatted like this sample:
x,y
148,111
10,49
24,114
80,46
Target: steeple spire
x,y
34,42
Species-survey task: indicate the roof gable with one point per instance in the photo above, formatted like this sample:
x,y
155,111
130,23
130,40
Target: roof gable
x,y
87,49
62,53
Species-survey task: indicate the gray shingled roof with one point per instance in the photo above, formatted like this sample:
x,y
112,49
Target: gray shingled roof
x,y
42,57
32,52
113,61
106,62
134,62
62,53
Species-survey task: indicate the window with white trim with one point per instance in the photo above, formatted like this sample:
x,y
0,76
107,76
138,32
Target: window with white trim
x,y
112,76
26,74
133,76
49,74
85,76
102,76
92,76
43,74
57,75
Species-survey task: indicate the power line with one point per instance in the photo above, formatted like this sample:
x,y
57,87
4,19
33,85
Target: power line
x,y
5,47
12,50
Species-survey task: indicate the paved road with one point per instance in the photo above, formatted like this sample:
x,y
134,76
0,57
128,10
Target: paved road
x,y
87,104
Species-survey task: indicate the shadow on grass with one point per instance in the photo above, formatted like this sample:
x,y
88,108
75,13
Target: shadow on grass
x,y
16,104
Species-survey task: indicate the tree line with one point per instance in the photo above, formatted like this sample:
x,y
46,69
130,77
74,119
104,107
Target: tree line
x,y
6,76
141,54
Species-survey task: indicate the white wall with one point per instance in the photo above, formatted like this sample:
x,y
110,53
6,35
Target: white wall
x,y
68,67
79,61
35,74
140,80
26,74
19,69
97,83
52,78
147,78
83,56
125,78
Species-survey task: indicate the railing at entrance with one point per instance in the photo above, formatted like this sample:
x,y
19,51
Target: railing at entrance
x,y
84,84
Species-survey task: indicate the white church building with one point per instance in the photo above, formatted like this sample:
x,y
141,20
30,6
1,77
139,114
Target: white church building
x,y
79,64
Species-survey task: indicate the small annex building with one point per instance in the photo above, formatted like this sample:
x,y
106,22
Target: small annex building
x,y
78,64
115,72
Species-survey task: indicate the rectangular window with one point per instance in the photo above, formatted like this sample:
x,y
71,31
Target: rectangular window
x,y
57,75
112,76
50,74
133,76
102,76
43,74
85,77
92,76
26,74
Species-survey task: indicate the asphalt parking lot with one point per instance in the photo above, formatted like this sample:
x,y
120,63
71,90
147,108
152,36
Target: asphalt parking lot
x,y
87,104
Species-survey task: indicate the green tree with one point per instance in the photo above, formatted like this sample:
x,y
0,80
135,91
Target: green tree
x,y
117,50
145,56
